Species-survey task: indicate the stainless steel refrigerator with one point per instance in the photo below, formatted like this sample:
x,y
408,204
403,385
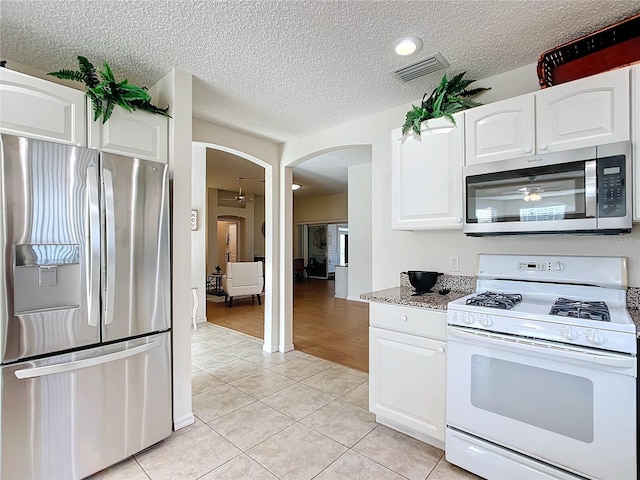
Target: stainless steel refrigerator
x,y
84,308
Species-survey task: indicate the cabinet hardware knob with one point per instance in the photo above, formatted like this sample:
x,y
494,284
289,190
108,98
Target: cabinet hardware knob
x,y
543,146
440,349
404,318
527,149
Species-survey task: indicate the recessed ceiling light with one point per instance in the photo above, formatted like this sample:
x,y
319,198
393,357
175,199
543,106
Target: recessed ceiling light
x,y
295,186
408,45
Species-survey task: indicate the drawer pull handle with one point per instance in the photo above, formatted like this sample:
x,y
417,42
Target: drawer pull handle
x,y
404,318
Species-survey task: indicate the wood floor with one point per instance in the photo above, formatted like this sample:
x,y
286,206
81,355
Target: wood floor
x,y
327,327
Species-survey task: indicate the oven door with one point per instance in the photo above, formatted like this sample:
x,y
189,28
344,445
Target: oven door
x,y
569,407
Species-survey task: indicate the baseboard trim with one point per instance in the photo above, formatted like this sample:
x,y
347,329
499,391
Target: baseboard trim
x,y
202,319
286,348
269,349
183,421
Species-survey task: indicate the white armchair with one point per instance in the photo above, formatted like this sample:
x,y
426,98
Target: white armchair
x,y
243,278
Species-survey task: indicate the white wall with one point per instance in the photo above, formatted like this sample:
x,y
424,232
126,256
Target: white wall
x,y
394,251
174,89
360,240
199,236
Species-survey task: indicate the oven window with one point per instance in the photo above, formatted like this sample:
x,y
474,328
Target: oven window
x,y
554,401
554,192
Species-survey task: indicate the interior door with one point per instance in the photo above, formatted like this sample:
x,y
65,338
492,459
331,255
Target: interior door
x,y
136,247
232,242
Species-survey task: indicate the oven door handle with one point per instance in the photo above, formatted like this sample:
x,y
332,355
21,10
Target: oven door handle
x,y
547,349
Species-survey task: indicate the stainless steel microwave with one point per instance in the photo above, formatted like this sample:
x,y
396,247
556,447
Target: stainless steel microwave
x,y
582,191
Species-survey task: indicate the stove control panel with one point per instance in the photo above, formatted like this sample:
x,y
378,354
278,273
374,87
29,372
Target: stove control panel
x,y
541,266
505,323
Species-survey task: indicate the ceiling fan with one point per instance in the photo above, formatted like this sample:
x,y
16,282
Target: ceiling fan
x,y
240,198
531,193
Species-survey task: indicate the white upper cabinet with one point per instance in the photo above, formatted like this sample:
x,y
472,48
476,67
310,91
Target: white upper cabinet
x,y
139,134
583,113
36,108
635,124
500,130
426,183
587,112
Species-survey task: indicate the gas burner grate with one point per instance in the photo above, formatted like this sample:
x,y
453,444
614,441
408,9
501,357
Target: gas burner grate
x,y
504,301
566,307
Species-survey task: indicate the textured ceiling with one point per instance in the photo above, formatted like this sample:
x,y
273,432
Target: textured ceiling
x,y
324,174
283,69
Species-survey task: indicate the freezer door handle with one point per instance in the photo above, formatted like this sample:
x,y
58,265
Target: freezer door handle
x,y
89,362
93,243
110,246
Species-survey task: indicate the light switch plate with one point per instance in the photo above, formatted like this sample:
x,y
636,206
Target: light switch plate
x,y
194,220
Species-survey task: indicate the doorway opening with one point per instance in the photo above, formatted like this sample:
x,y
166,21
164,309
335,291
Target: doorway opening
x,y
235,215
324,246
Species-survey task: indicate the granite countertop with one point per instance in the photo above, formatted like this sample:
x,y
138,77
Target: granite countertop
x,y
403,296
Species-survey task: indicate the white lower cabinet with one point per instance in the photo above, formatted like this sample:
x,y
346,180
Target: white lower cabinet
x,y
407,370
136,134
36,108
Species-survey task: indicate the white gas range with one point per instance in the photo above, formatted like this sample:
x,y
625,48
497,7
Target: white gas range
x,y
541,370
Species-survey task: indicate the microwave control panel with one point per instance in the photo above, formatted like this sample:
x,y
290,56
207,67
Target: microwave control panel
x,y
611,187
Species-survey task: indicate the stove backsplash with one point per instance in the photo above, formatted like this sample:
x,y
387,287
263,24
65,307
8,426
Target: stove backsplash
x,y
463,283
633,298
459,283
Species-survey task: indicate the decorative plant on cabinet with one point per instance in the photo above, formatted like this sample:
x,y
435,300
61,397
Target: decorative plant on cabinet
x,y
105,92
449,97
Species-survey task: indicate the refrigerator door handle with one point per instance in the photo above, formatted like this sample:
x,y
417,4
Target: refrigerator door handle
x,y
89,362
93,243
110,246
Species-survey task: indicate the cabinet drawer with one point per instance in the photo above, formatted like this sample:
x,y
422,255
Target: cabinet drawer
x,y
412,320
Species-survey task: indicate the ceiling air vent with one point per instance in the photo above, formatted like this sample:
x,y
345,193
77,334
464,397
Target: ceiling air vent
x,y
431,64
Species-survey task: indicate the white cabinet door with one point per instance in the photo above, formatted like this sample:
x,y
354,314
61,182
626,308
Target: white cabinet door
x,y
36,108
584,113
500,130
426,184
635,129
139,134
407,382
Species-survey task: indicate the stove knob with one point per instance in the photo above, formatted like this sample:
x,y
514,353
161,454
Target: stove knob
x,y
468,318
486,321
595,337
568,333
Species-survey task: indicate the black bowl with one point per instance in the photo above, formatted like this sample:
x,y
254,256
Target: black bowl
x,y
422,281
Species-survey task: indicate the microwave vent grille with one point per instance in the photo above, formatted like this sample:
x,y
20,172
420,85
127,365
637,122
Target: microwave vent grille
x,y
428,65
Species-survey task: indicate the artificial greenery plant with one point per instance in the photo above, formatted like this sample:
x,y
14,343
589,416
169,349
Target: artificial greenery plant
x,y
449,97
105,93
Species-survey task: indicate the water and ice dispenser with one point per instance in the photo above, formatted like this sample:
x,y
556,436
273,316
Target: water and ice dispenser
x,y
47,277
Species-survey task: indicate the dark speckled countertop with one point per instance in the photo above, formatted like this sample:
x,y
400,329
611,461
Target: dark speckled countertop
x,y
404,296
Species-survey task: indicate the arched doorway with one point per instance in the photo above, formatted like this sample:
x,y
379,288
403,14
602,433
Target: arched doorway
x,y
200,265
359,234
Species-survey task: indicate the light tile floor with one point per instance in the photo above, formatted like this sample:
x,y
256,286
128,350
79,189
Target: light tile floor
x,y
279,416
